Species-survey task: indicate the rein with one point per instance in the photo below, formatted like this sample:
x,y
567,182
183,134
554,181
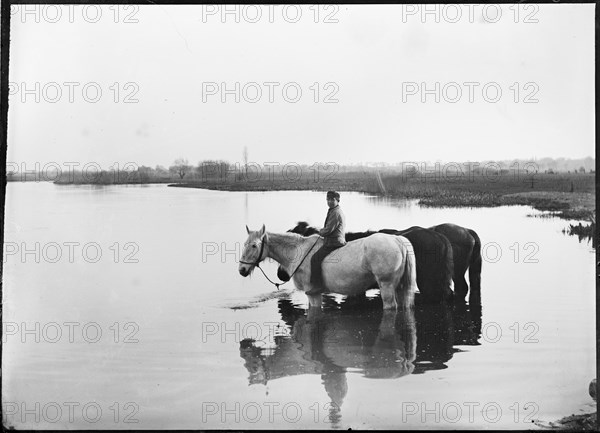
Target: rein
x,y
258,260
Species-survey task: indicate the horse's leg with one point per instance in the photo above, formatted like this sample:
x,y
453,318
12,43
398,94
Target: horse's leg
x,y
314,314
407,330
474,296
387,327
397,332
315,301
461,287
387,288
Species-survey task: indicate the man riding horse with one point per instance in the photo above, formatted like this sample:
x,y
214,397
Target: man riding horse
x,y
335,237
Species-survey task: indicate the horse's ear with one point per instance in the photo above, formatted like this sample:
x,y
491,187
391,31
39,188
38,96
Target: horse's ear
x,y
262,230
247,229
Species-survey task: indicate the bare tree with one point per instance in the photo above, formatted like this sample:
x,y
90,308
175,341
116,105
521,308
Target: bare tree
x,y
245,155
181,166
245,158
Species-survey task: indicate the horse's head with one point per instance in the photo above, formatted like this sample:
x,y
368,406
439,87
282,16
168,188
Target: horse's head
x,y
254,361
254,251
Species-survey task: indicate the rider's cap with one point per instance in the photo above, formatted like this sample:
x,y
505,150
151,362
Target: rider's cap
x,y
333,194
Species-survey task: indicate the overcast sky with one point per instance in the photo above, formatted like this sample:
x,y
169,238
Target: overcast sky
x,y
372,61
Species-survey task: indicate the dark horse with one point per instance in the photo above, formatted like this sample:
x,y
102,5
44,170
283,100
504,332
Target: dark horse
x,y
466,250
433,254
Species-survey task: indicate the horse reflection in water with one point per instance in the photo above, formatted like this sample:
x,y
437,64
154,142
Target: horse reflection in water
x,y
440,328
380,344
357,334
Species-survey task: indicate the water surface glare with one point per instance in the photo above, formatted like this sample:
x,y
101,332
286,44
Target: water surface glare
x,y
143,321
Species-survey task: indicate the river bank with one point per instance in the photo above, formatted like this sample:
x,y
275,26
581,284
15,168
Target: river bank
x,y
566,197
585,422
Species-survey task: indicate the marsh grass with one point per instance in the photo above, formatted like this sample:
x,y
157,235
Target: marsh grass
x,y
565,195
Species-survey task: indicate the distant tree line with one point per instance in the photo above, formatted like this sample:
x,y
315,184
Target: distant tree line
x,y
214,170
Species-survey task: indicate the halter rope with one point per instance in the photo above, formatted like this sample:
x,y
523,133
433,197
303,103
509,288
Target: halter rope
x,y
258,260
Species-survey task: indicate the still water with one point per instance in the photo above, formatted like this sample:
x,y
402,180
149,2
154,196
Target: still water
x,y
130,313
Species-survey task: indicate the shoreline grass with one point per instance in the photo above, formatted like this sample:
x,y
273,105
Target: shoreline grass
x,y
569,197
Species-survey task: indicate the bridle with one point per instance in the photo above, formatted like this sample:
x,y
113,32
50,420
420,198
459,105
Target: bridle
x,y
259,259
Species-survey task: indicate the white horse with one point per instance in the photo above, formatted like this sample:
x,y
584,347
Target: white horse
x,y
381,259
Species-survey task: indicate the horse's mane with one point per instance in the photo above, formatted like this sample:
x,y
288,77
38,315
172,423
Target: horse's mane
x,y
293,234
286,234
304,229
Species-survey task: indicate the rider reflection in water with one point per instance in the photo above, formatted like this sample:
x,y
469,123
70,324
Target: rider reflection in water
x,y
335,237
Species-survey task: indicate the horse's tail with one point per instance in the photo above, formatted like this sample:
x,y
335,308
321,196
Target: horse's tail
x,y
408,281
475,265
447,267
